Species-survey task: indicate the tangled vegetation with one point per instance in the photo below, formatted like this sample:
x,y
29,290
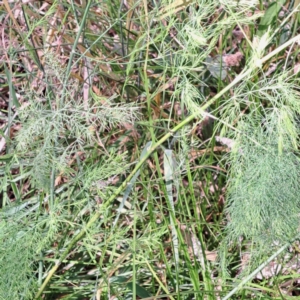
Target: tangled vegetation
x,y
149,149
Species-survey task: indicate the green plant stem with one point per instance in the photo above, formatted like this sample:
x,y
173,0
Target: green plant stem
x,y
68,71
249,277
202,109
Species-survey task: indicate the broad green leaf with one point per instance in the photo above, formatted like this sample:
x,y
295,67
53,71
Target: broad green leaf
x,y
284,36
216,67
140,291
6,157
270,16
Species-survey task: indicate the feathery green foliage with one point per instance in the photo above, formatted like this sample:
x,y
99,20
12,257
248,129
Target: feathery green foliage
x,y
263,202
263,184
263,197
50,136
67,235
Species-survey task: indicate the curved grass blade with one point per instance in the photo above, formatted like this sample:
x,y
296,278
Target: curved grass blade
x,y
169,168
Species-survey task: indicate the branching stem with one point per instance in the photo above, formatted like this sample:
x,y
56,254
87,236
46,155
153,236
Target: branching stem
x,y
96,216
